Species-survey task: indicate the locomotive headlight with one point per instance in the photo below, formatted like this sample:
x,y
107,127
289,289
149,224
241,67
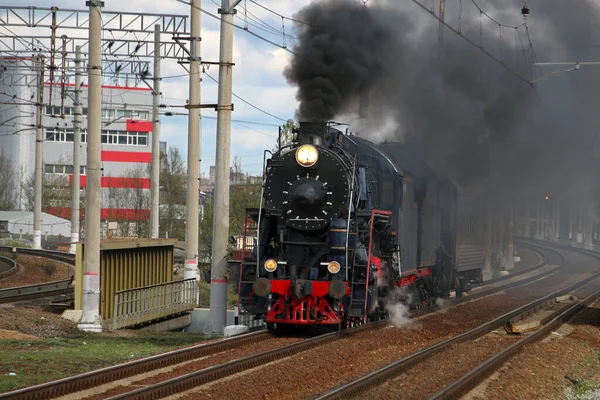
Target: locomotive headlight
x,y
333,267
307,155
271,265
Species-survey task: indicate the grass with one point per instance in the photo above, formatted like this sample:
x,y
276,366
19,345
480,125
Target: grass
x,y
585,390
29,362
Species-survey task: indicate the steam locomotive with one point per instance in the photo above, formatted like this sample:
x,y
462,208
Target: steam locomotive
x,y
346,226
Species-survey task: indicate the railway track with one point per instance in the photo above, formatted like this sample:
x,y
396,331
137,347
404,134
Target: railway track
x,y
443,350
67,258
7,266
214,372
39,290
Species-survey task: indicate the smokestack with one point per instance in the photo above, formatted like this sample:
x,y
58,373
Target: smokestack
x,y
312,133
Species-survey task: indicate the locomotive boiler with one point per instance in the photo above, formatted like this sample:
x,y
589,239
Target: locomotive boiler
x,y
346,226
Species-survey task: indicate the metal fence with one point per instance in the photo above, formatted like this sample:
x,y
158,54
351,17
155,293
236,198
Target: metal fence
x,y
149,303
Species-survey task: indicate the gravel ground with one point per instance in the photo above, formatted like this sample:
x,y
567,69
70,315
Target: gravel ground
x,y
28,317
181,369
539,371
319,370
449,365
33,270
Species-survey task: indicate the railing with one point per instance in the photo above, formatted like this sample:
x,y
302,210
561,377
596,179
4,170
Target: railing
x,y
145,304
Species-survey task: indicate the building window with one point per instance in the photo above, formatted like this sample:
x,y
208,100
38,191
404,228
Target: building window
x,y
59,135
107,113
122,138
61,169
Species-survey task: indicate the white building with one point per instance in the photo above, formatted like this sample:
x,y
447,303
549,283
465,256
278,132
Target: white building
x,y
126,138
18,222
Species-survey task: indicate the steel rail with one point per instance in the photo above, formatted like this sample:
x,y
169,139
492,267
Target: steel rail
x,y
462,385
61,256
39,290
94,378
10,264
194,379
36,291
90,379
376,377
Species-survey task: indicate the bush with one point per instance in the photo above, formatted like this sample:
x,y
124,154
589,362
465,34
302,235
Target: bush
x,y
49,268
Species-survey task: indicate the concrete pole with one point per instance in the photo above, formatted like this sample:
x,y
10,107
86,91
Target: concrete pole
x,y
90,318
509,263
557,222
39,159
498,240
75,185
538,225
155,178
218,283
487,248
193,157
526,217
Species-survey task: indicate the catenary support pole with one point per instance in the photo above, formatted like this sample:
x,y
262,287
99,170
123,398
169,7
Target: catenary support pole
x,y
193,157
487,247
75,185
526,217
218,283
39,158
155,178
90,317
509,263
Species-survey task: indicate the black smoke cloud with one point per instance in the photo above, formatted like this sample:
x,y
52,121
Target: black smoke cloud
x,y
478,122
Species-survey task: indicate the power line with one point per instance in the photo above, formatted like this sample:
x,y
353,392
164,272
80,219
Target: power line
x,y
247,102
283,16
479,47
245,30
492,19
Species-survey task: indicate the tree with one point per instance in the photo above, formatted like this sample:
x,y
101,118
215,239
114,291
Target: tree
x,y
244,192
173,192
8,179
133,198
56,192
287,132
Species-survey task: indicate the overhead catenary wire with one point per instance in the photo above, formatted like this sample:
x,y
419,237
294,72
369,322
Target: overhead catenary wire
x,y
283,16
248,103
245,30
477,46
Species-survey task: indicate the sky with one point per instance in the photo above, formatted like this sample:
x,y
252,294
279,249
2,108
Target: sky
x,y
259,68
258,76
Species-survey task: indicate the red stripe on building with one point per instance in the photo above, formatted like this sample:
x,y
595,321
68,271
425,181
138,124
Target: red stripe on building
x,y
133,125
127,214
125,183
123,214
114,182
127,156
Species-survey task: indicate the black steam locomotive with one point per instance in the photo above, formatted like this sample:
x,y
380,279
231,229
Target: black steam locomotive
x,y
345,225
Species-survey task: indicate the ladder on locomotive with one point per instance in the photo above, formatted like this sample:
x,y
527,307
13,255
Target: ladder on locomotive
x,y
361,270
248,266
